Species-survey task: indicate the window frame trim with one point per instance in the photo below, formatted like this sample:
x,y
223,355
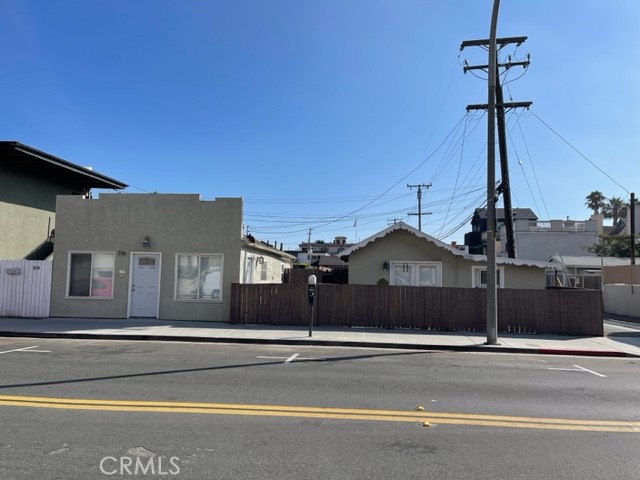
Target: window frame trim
x,y
417,263
264,271
197,300
476,268
70,253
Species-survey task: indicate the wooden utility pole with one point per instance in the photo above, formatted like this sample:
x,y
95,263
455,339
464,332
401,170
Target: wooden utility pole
x,y
419,214
500,107
504,187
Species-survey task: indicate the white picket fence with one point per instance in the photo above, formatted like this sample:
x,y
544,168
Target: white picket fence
x,y
25,288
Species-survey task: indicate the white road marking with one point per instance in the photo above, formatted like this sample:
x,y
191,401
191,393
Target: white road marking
x,y
590,371
577,368
26,349
295,356
292,358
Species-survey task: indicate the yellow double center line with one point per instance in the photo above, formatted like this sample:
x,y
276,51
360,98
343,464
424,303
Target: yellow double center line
x,y
323,412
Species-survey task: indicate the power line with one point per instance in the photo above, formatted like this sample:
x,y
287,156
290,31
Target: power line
x,y
535,176
455,186
579,152
281,225
467,219
431,155
302,201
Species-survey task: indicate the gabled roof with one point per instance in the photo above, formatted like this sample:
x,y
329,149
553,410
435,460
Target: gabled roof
x,y
408,228
18,156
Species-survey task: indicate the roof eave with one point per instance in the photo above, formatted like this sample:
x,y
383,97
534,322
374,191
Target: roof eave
x,y
107,182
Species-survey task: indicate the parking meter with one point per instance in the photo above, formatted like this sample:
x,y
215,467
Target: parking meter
x,y
311,291
311,294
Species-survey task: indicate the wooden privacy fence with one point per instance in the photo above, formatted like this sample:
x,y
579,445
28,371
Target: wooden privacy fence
x,y
561,312
25,288
624,274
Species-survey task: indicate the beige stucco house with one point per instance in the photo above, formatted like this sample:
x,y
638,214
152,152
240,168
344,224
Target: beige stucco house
x,y
168,256
146,255
403,255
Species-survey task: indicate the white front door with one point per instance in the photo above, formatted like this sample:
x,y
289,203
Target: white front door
x,y
145,279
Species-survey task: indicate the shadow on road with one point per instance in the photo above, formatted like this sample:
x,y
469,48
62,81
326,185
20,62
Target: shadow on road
x,y
214,368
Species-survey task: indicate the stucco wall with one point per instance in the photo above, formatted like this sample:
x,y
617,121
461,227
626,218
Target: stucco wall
x,y
23,229
174,224
27,204
366,264
622,299
542,245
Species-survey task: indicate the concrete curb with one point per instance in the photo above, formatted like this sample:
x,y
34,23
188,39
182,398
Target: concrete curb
x,y
586,353
324,343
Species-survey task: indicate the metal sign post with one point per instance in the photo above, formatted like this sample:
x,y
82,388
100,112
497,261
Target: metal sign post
x,y
311,293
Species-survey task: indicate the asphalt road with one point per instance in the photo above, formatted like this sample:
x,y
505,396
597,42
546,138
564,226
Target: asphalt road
x,y
210,411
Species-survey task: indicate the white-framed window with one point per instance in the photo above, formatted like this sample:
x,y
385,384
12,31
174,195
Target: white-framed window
x,y
416,274
90,274
199,277
479,277
263,270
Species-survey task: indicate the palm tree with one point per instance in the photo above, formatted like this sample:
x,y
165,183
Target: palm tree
x,y
595,201
614,208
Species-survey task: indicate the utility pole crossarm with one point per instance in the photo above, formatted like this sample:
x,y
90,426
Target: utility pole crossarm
x,y
484,106
523,63
499,41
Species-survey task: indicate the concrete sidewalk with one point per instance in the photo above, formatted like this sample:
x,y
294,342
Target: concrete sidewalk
x,y
619,341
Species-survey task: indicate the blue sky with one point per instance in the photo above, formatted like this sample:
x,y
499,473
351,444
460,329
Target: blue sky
x,y
319,113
